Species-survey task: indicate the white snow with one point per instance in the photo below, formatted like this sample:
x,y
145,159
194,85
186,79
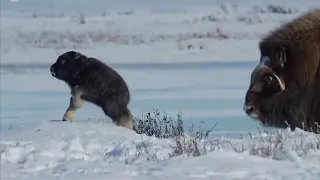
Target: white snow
x,y
193,57
85,150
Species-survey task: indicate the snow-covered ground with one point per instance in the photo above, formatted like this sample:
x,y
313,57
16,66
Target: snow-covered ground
x,y
193,57
83,150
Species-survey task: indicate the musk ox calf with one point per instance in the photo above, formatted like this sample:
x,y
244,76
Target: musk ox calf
x,y
93,81
289,62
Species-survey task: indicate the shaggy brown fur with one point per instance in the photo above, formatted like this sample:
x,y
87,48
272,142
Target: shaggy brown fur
x,y
296,108
294,50
290,57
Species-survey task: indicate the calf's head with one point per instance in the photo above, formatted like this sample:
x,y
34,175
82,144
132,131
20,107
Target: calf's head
x,y
67,65
264,83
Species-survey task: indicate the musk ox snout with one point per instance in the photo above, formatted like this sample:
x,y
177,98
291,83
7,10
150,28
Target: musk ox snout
x,y
53,70
250,106
58,70
248,109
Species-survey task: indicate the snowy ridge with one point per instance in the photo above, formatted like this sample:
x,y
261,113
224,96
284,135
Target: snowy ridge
x,y
101,150
199,34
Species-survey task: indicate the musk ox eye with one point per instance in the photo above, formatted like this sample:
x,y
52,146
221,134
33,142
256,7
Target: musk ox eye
x,y
268,79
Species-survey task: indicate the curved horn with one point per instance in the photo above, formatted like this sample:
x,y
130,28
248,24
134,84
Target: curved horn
x,y
282,84
263,64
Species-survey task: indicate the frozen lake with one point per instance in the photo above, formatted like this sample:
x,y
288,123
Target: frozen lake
x,y
210,92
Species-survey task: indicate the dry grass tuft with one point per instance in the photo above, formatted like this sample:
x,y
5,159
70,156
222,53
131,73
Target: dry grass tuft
x,y
279,144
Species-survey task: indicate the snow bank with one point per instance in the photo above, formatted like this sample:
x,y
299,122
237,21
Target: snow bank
x,y
184,31
85,150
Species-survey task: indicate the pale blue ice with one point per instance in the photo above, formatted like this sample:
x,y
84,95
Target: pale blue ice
x,y
210,92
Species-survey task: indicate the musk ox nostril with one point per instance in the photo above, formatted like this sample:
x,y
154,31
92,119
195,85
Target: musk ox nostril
x,y
52,70
248,109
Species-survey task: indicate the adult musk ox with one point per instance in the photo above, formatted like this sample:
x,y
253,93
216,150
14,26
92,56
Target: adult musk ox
x,y
289,61
292,107
93,81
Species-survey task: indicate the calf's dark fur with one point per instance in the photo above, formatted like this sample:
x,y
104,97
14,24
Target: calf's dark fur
x,y
93,81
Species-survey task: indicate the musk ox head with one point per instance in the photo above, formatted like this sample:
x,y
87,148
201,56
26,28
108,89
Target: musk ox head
x,y
68,65
264,84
